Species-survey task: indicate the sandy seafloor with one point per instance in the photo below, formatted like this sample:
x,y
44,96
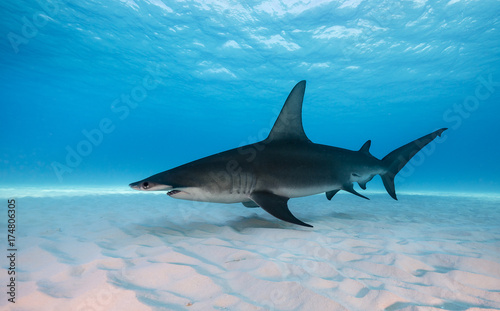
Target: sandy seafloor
x,y
126,250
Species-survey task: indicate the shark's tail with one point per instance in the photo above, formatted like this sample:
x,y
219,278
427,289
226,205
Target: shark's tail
x,y
397,159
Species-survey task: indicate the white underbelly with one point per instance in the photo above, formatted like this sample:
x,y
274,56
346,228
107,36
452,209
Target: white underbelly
x,y
199,194
299,192
202,195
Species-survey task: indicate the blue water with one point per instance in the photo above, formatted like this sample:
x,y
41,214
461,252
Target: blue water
x,y
106,93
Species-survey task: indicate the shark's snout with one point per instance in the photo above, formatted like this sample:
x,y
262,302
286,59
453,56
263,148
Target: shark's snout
x,y
136,185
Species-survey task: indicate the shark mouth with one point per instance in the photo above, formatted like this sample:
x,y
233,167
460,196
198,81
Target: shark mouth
x,y
173,192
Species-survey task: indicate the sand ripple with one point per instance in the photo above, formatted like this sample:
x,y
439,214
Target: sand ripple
x,y
154,253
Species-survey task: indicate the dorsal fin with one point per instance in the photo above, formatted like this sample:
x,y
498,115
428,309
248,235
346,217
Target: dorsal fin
x,y
288,126
366,147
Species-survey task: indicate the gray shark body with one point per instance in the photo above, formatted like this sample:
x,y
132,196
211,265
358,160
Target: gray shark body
x,y
285,165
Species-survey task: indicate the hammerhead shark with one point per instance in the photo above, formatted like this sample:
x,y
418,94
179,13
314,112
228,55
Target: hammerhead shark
x,y
285,165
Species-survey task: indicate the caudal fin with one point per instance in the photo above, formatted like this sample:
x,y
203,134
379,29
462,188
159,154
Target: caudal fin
x,y
397,159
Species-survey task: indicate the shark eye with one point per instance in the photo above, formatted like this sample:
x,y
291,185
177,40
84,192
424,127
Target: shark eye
x,y
145,185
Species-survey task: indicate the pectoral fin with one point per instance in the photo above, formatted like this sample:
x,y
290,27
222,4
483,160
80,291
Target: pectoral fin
x,y
330,194
277,206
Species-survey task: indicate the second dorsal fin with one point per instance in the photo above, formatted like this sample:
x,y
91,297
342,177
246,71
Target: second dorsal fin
x,y
288,126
